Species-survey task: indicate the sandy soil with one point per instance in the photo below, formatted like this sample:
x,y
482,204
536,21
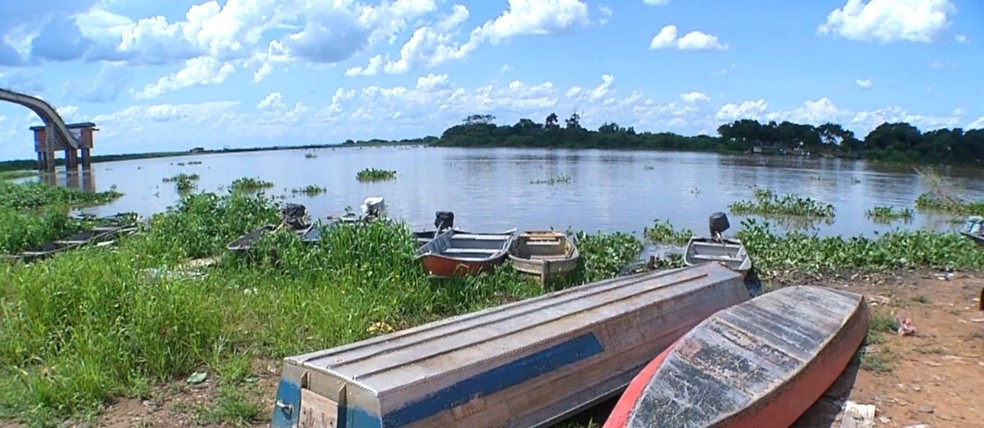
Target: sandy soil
x,y
936,377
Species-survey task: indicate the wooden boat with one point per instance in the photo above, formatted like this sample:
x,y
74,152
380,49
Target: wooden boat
x,y
245,242
973,229
457,254
543,253
425,236
99,237
730,252
524,364
761,363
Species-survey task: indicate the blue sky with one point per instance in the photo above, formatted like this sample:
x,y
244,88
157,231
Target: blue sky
x,y
173,75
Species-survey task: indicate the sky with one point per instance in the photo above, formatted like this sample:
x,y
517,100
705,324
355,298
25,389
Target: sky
x,y
171,75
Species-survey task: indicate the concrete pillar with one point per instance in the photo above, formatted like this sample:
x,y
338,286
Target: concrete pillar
x,y
50,160
41,160
88,181
71,160
86,159
72,180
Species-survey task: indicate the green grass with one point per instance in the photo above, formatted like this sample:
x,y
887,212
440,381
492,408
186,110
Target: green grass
x,y
879,361
89,325
766,203
931,202
373,174
13,175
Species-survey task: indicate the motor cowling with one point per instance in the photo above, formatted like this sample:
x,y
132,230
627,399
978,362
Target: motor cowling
x,y
443,220
718,223
373,206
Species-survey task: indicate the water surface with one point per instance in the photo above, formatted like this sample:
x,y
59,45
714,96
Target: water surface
x,y
491,190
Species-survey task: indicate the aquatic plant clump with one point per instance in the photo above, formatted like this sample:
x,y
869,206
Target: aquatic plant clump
x,y
373,174
249,184
797,251
767,203
889,213
309,190
930,202
183,182
553,181
662,232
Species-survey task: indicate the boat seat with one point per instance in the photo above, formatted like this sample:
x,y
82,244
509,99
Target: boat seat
x,y
469,251
480,237
715,258
543,243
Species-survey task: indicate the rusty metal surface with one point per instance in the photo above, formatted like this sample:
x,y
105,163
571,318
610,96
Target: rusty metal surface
x,y
741,354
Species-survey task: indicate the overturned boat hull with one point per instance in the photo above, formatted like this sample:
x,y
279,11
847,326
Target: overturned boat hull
x,y
529,363
761,363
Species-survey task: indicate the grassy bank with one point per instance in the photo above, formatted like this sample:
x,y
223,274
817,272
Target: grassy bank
x,y
86,326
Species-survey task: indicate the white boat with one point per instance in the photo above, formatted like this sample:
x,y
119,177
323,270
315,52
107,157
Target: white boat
x,y
529,363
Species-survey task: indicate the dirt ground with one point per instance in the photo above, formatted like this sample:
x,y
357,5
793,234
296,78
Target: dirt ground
x,y
934,378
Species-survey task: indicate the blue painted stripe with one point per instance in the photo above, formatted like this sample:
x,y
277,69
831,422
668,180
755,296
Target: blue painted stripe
x,y
288,393
497,379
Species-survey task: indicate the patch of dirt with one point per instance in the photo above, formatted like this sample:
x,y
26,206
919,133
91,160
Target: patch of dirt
x,y
936,378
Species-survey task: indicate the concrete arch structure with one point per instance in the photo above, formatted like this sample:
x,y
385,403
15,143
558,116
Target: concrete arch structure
x,y
59,134
55,135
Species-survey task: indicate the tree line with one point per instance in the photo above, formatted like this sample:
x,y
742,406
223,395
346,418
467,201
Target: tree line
x,y
900,141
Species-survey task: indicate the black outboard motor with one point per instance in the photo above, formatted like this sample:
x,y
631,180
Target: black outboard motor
x,y
293,215
718,223
443,220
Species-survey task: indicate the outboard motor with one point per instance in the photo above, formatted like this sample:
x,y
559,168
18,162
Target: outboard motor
x,y
443,220
294,215
718,223
373,207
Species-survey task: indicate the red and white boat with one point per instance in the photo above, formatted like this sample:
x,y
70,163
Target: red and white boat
x,y
761,363
454,253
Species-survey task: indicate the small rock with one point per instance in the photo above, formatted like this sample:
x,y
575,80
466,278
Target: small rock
x,y
916,388
884,419
932,364
917,426
927,409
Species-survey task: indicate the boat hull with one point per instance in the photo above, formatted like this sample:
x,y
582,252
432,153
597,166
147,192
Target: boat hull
x,y
453,253
543,254
524,364
761,364
979,240
730,252
441,266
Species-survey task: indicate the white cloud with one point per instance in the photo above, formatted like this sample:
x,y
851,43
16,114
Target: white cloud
x,y
695,96
746,110
433,81
863,83
942,64
198,71
977,124
573,92
815,113
865,121
534,17
694,40
960,38
375,63
890,20
655,2
273,101
602,90
606,13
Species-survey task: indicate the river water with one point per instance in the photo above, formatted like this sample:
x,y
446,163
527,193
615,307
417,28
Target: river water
x,y
491,189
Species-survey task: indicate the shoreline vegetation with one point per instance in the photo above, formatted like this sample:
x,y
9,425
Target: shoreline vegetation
x,y
87,327
898,142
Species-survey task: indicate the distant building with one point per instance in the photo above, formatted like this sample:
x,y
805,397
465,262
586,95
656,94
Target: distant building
x,y
197,150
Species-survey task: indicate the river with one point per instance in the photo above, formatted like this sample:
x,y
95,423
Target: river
x,y
491,189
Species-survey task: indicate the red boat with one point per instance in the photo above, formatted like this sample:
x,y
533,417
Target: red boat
x,y
761,363
455,253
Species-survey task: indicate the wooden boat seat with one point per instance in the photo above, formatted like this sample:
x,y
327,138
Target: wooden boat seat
x,y
469,251
549,258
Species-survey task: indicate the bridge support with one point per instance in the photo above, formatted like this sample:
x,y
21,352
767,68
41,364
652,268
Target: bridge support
x,y
46,144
